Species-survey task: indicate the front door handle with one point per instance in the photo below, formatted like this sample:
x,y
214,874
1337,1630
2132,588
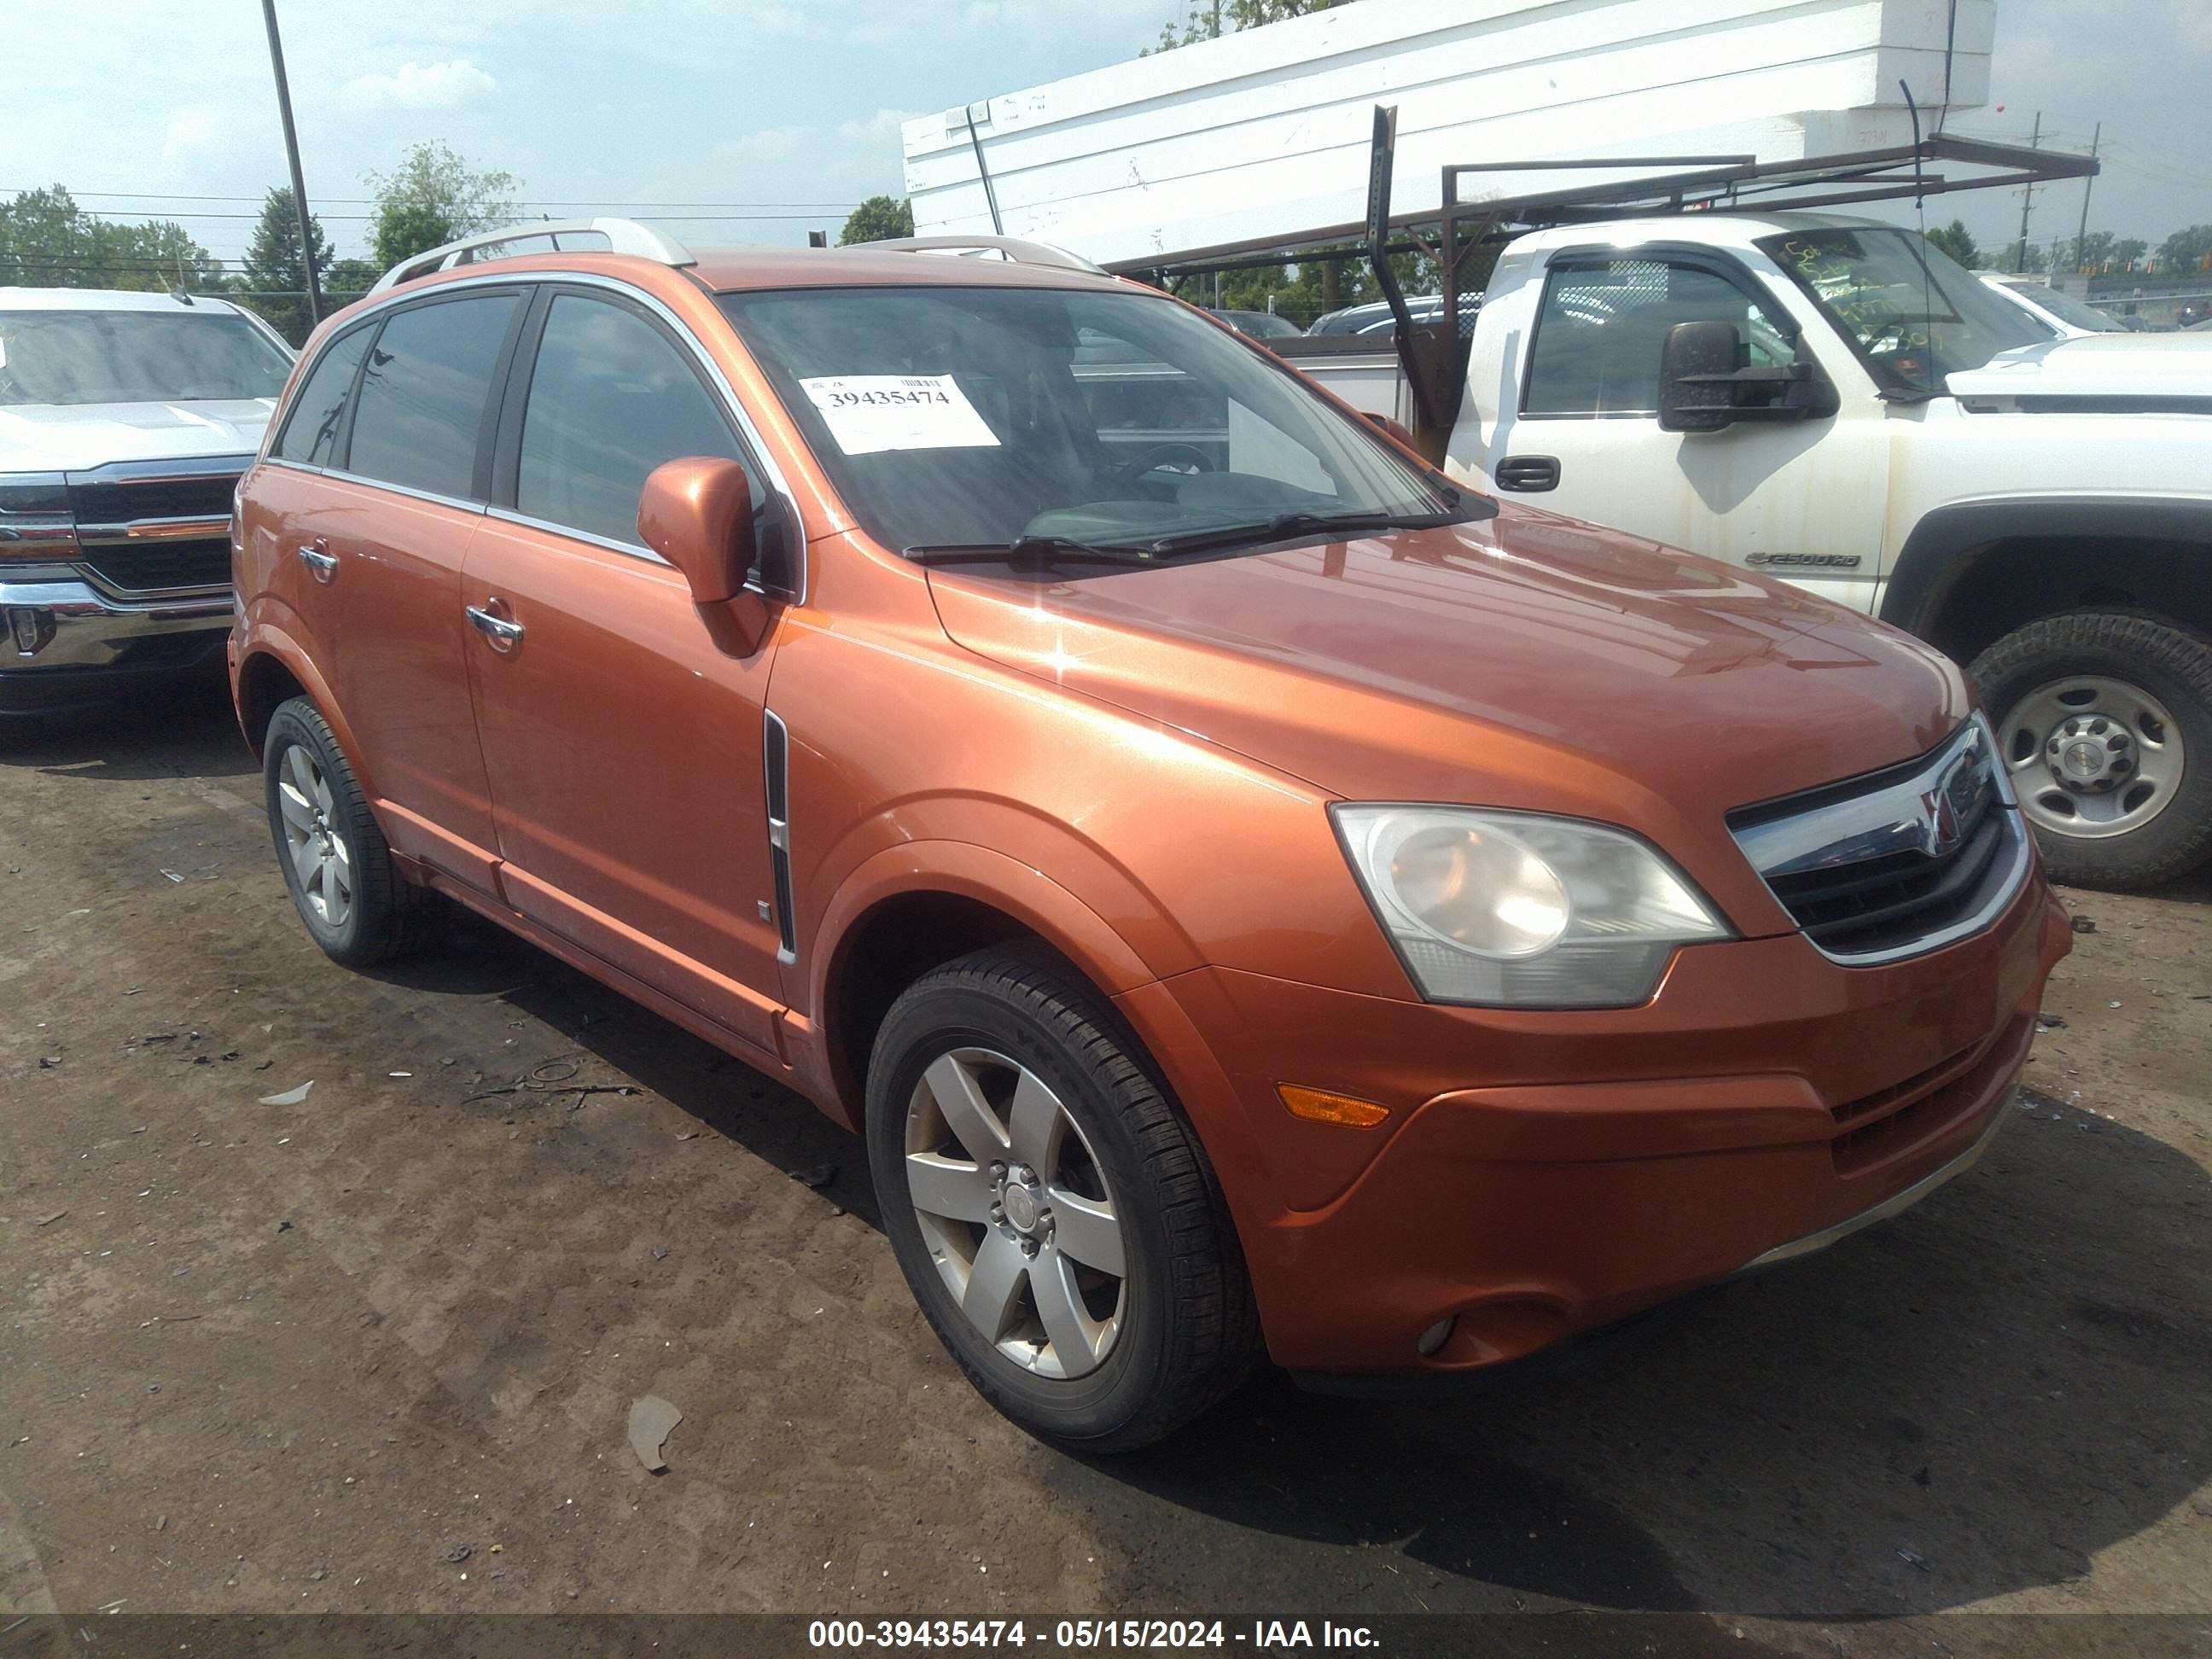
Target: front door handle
x,y
323,564
1530,474
503,634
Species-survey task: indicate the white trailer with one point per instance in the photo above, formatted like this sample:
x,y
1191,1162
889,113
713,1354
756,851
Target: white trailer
x,y
1262,135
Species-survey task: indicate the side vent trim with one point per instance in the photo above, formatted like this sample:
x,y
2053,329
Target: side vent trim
x,y
775,761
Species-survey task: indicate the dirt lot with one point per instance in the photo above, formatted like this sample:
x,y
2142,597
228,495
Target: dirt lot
x,y
263,1358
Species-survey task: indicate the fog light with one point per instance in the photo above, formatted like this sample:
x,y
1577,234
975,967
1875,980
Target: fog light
x,y
30,628
1435,1337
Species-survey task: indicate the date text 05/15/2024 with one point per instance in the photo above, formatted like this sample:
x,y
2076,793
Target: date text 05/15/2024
x,y
1256,1636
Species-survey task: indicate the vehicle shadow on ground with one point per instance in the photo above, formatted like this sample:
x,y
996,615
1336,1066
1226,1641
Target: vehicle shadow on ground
x,y
186,730
727,1097
1968,1401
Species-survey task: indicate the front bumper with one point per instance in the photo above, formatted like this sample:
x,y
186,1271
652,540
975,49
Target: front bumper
x,y
1764,1103
86,647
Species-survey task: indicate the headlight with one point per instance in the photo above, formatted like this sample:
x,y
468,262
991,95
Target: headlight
x,y
1514,910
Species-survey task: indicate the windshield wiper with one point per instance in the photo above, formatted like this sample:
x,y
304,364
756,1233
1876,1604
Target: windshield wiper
x,y
1294,524
1038,548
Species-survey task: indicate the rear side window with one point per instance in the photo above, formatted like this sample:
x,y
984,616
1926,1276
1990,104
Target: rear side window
x,y
311,431
423,396
610,398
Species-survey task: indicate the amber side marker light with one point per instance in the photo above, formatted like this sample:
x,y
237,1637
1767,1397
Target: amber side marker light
x,y
1323,1107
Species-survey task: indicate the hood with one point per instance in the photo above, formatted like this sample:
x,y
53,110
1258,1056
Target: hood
x,y
2097,366
1523,661
74,437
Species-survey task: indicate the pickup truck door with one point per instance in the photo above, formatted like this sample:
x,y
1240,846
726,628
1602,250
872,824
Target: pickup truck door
x,y
623,740
1579,433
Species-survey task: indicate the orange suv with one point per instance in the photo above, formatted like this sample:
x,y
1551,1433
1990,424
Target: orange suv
x,y
1252,893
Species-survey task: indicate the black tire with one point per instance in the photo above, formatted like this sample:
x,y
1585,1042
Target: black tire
x,y
1188,1333
385,916
2173,664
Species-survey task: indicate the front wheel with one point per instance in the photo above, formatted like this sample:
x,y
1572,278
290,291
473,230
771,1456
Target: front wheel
x,y
2104,722
1053,1214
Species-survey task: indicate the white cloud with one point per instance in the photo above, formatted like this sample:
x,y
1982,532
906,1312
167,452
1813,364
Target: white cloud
x,y
421,86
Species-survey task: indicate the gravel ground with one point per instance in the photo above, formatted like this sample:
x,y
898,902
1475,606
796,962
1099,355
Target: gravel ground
x,y
373,1350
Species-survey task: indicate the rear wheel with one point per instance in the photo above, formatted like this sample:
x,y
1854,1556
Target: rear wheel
x,y
335,863
1053,1215
2104,722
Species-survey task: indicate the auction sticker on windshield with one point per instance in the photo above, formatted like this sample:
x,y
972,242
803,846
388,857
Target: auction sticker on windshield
x,y
870,413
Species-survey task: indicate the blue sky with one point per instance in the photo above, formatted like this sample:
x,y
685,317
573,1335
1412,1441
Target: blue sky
x,y
612,104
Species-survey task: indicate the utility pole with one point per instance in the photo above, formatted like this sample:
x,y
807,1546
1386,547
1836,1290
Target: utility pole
x,y
2081,237
2026,196
292,153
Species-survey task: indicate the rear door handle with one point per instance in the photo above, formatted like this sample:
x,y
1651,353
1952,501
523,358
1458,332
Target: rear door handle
x,y
1530,474
324,564
499,631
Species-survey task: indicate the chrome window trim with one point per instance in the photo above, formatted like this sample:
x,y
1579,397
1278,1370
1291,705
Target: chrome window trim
x,y
1888,821
732,405
508,515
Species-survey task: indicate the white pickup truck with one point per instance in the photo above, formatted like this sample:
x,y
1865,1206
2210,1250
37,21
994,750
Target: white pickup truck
x,y
125,419
1833,401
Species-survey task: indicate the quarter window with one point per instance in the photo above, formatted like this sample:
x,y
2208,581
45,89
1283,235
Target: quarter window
x,y
611,397
311,433
422,395
1603,323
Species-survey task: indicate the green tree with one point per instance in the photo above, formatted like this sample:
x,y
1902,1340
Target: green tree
x,y
274,278
47,241
347,280
1210,22
1955,239
432,197
2095,249
2127,251
2186,250
879,219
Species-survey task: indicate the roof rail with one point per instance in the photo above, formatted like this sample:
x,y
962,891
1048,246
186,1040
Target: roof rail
x,y
1012,249
555,235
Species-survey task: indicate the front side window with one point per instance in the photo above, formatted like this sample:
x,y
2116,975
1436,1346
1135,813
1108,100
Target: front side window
x,y
1912,314
611,397
950,417
311,432
1604,323
422,393
135,357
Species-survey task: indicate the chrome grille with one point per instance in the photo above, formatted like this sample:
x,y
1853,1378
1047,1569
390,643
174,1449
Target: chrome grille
x,y
156,526
1896,862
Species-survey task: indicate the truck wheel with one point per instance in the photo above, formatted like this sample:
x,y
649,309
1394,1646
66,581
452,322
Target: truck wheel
x,y
1053,1215
2104,722
335,863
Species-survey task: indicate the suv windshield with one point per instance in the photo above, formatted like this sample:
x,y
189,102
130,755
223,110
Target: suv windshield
x,y
1912,315
135,358
972,418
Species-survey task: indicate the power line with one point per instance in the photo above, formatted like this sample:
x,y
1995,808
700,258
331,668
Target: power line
x,y
366,201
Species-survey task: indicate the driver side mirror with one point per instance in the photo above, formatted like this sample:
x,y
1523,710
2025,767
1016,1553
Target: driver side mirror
x,y
1707,382
697,511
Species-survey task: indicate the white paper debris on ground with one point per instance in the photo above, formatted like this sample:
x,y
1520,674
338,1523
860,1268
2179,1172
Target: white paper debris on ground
x,y
651,1420
290,1096
868,414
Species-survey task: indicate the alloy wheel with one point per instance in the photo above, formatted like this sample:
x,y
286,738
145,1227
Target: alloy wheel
x,y
320,858
1016,1212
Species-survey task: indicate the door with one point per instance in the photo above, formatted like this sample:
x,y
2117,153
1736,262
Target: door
x,y
624,746
407,456
1803,500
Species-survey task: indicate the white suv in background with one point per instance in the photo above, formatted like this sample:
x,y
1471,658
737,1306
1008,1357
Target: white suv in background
x,y
125,420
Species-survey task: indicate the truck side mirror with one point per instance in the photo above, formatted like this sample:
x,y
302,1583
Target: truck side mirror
x,y
1707,381
1698,366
